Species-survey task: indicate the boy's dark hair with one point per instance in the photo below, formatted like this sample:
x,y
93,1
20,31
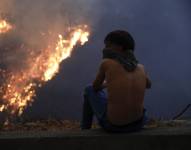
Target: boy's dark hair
x,y
121,38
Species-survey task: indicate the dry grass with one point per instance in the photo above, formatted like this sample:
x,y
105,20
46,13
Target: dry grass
x,y
153,123
58,125
43,125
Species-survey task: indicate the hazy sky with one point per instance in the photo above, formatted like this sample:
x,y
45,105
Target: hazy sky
x,y
162,33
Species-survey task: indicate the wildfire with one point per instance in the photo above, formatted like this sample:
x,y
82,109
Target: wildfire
x,y
4,26
19,90
63,50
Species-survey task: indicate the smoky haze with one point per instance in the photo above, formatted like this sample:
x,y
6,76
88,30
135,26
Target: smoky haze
x,y
35,29
37,23
161,30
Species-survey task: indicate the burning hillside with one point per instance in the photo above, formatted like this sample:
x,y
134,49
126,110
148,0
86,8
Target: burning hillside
x,y
19,85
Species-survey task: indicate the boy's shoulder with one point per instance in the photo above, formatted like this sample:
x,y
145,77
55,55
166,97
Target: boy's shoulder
x,y
141,66
107,61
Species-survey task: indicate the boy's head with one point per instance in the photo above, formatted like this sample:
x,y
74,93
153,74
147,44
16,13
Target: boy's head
x,y
121,39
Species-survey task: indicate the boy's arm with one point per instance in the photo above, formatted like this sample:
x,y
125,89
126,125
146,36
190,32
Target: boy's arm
x,y
149,83
104,85
98,83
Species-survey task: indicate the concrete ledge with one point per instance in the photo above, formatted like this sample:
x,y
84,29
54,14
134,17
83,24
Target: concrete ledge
x,y
169,138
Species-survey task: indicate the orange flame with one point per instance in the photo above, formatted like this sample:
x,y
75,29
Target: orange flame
x,y
63,50
4,26
20,88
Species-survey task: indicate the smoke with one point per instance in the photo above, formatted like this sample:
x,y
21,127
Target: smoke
x,y
37,24
35,29
162,33
161,30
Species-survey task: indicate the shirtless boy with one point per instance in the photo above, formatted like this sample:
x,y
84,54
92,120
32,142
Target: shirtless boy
x,y
116,97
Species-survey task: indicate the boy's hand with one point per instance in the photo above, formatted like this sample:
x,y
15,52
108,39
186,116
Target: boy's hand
x,y
103,86
148,84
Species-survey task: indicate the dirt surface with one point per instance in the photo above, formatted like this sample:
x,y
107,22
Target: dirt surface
x,y
55,128
42,125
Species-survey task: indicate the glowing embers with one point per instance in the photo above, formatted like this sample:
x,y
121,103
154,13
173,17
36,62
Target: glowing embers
x,y
5,26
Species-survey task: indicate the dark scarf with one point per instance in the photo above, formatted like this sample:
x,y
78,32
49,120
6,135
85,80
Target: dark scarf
x,y
127,60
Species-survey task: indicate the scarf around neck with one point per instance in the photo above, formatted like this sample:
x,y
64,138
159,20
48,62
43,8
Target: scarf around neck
x,y
127,60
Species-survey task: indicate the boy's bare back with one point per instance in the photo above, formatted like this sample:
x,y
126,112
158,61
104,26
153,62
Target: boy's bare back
x,y
125,91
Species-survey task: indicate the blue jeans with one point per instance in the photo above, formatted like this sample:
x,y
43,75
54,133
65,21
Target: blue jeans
x,y
95,103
